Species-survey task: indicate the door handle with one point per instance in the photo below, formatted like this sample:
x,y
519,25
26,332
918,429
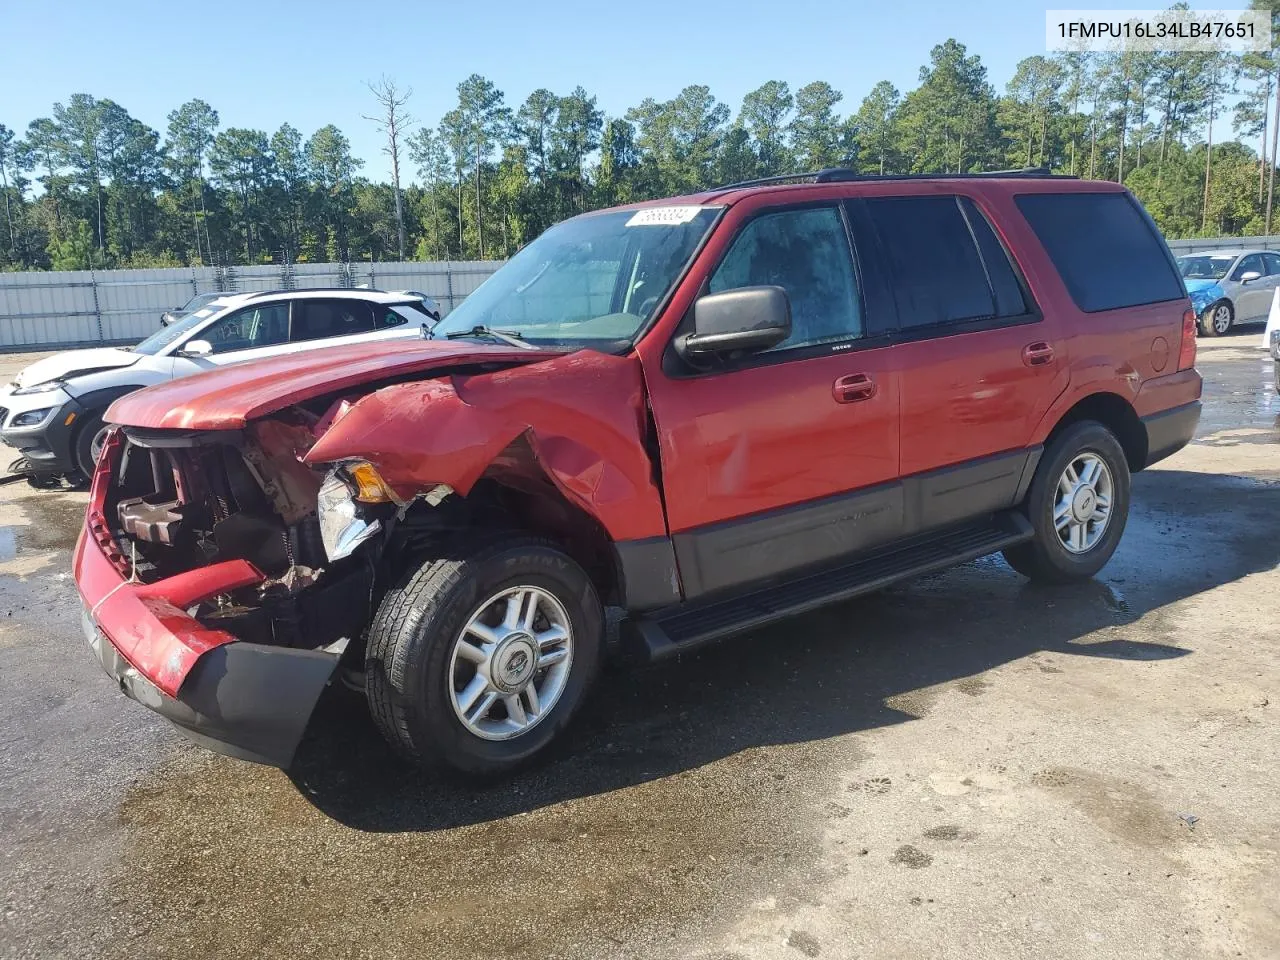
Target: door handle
x,y
1037,354
854,387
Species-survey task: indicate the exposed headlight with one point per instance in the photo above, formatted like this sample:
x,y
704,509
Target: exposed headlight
x,y
342,528
47,387
30,418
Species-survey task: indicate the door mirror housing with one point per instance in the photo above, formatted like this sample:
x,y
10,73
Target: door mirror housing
x,y
196,348
738,321
1249,276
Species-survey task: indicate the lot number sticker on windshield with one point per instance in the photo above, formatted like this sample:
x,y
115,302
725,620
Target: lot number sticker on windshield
x,y
663,216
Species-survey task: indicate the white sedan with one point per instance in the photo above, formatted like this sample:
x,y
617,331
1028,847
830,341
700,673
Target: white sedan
x,y
52,412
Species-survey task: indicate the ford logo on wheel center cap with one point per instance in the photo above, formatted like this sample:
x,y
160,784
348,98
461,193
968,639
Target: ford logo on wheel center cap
x,y
514,663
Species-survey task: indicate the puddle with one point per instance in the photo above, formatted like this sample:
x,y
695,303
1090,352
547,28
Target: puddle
x,y
54,523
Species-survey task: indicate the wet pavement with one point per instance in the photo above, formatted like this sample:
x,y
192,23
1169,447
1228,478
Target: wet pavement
x,y
962,766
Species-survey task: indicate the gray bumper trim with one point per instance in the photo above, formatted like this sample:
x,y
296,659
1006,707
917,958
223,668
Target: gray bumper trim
x,y
1170,430
246,700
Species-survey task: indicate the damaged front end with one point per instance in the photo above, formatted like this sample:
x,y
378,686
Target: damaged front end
x,y
210,596
238,536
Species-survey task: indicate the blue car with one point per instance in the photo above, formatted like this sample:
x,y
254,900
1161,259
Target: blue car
x,y
1230,287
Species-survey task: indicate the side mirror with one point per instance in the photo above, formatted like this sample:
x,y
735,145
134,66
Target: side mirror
x,y
1249,276
196,348
742,320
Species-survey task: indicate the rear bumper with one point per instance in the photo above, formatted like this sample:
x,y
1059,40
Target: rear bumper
x,y
1170,430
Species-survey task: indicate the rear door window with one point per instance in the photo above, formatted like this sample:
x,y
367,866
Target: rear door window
x,y
1104,247
1272,262
946,265
322,319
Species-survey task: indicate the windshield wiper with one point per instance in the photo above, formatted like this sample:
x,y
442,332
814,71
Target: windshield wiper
x,y
512,337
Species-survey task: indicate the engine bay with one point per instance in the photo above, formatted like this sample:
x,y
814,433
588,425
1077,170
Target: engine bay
x,y
180,501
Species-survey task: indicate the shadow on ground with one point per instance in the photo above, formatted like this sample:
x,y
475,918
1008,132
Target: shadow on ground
x,y
857,666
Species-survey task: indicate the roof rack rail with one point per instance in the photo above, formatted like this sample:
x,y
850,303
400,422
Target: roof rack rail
x,y
271,293
842,174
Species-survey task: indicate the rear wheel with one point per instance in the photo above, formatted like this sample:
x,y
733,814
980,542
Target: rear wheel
x,y
89,442
1217,319
1078,505
479,659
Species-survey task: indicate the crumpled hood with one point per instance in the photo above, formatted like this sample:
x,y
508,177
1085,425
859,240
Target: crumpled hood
x,y
229,397
1202,288
73,363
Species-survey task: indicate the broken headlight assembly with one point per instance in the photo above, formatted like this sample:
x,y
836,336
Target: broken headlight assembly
x,y
348,499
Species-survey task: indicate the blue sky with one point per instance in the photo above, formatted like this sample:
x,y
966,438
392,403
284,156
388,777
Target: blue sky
x,y
260,64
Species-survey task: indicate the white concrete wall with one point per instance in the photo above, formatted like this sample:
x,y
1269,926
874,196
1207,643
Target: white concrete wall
x,y
118,306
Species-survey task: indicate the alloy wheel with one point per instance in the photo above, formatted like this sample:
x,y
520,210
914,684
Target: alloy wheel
x,y
510,663
1221,318
1082,508
98,442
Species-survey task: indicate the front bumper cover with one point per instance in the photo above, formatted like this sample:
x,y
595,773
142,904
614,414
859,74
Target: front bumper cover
x,y
47,448
246,700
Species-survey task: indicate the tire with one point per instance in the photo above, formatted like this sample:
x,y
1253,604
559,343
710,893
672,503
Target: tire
x,y
1048,557
92,429
1217,318
415,681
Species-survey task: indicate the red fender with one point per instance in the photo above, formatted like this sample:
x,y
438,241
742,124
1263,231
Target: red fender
x,y
583,415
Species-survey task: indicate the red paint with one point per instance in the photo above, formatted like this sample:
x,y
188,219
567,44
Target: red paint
x,y
768,437
229,397
972,395
582,413
147,623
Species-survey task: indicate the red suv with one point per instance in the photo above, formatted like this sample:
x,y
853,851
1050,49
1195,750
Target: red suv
x,y
712,412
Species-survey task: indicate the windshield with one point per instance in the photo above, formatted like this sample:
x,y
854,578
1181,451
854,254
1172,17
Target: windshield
x,y
174,331
198,301
1205,267
593,278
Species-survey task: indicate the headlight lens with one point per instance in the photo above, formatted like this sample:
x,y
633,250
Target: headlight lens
x,y
342,528
47,387
30,418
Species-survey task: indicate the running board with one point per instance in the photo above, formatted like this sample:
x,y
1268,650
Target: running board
x,y
665,633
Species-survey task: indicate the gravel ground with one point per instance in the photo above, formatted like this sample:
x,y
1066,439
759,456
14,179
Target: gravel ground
x,y
964,766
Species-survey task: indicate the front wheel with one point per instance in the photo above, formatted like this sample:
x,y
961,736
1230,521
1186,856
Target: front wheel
x,y
90,439
480,658
1078,505
1217,319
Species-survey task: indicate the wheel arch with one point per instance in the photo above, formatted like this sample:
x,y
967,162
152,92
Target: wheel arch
x,y
103,397
95,402
517,494
1116,414
1205,320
